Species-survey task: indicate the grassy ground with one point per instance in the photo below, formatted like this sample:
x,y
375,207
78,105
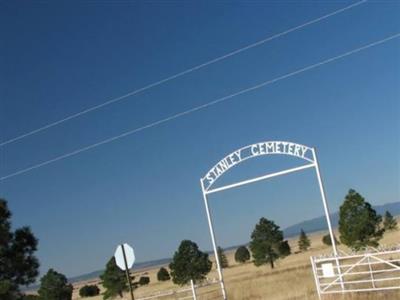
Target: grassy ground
x,y
292,278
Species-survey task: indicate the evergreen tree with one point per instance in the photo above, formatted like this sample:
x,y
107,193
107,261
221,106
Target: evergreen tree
x,y
163,274
189,263
222,258
113,280
55,286
266,243
242,254
389,223
18,264
304,242
359,224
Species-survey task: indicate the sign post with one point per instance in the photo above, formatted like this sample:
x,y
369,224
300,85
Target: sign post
x,y
124,258
193,289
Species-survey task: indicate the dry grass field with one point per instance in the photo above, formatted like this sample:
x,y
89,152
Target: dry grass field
x,y
292,278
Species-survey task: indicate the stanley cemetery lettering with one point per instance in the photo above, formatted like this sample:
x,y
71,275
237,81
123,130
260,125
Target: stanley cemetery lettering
x,y
254,150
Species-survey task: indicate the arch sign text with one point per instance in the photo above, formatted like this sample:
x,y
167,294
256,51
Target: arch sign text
x,y
254,150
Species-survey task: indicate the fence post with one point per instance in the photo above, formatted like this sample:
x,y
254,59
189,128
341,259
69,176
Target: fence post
x,y
193,289
370,271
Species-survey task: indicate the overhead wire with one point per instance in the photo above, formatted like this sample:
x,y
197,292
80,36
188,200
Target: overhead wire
x,y
200,107
180,74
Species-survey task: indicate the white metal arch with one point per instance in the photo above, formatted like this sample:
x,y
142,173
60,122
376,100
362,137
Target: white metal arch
x,y
256,150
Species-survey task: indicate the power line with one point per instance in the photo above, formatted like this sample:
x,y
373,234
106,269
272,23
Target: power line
x,y
194,109
180,74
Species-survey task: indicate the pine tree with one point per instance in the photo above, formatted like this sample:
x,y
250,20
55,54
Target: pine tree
x,y
55,286
113,280
222,258
359,224
389,223
18,264
242,254
304,242
266,243
189,263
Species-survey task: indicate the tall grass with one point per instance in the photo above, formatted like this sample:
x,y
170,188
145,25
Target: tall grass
x,y
291,279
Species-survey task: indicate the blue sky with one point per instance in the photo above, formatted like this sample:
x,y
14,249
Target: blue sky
x,y
60,58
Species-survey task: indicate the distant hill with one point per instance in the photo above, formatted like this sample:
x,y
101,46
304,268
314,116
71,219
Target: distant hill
x,y
138,266
318,224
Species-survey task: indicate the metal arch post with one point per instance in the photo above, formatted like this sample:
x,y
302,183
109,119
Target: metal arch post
x,y
328,219
221,278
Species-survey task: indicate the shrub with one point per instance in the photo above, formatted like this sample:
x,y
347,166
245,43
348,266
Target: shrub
x,y
222,258
284,249
144,280
89,291
326,239
242,254
163,275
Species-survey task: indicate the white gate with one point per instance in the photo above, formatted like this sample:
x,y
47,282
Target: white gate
x,y
191,292
371,270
